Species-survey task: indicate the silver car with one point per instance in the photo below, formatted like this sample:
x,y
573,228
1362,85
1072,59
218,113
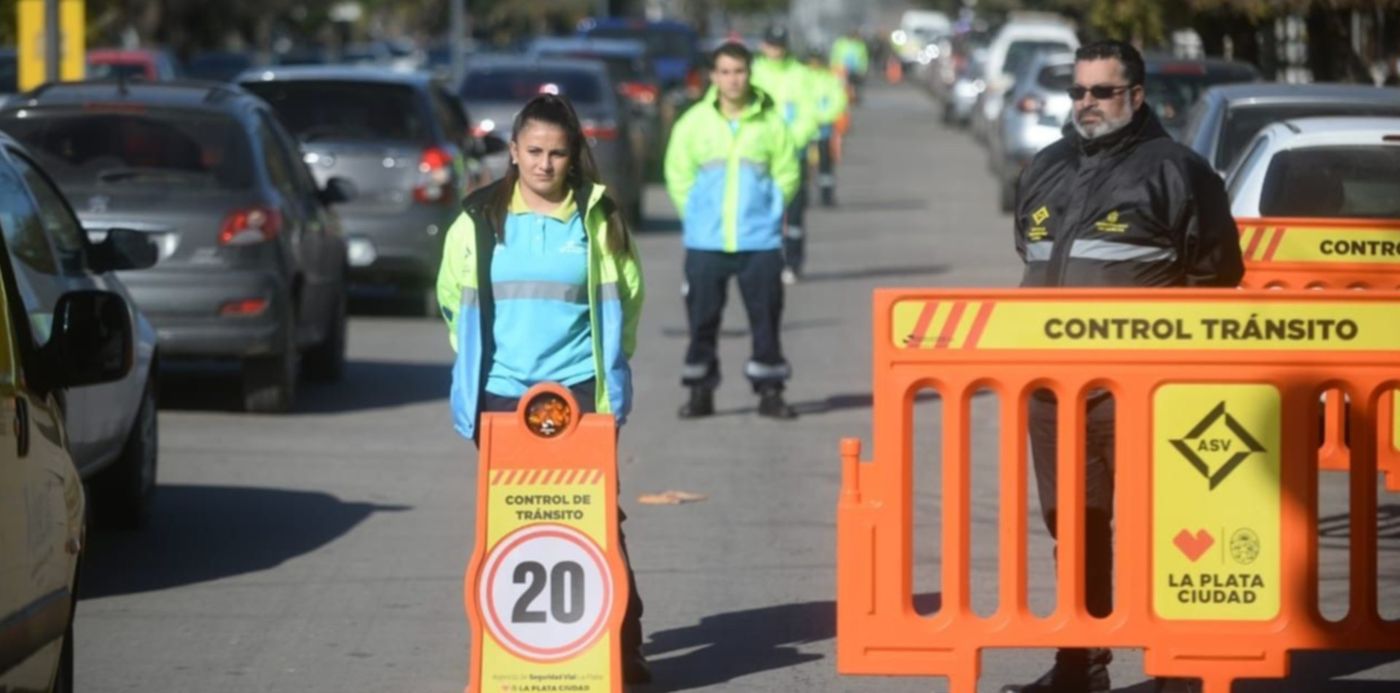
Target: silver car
x,y
497,87
1228,117
1036,111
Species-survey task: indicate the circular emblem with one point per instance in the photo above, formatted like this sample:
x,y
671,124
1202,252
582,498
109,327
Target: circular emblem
x,y
1113,217
546,592
1244,546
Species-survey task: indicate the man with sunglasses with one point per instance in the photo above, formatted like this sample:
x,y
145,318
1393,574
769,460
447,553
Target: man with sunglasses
x,y
1115,202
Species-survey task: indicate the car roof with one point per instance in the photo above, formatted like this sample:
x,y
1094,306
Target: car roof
x,y
639,24
333,73
1274,92
500,60
123,53
1332,128
193,94
601,46
1166,64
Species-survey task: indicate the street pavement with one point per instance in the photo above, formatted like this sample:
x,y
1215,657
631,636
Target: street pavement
x,y
324,551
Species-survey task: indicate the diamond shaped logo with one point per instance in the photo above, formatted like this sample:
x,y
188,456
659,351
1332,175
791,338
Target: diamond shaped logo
x,y
1040,215
1217,445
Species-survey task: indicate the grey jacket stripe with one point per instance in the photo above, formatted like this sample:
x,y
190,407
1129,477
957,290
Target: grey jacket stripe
x,y
608,292
468,297
1113,250
714,163
1039,251
550,291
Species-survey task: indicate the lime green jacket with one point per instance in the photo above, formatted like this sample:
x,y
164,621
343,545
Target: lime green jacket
x,y
831,101
732,181
851,55
788,82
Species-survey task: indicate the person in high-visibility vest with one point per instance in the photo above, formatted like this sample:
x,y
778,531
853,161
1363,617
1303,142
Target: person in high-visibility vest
x,y
831,106
788,81
540,283
731,168
850,56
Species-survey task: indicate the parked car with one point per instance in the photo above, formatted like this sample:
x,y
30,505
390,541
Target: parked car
x,y
251,261
1227,117
672,47
86,340
1339,167
151,64
1015,45
1034,118
218,66
497,87
404,141
9,73
112,427
1174,85
966,91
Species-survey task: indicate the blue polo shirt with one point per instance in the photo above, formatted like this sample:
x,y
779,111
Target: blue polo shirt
x,y
539,277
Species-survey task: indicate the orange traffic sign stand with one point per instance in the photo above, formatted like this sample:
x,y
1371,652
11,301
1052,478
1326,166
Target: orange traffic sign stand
x,y
1352,254
1215,546
546,588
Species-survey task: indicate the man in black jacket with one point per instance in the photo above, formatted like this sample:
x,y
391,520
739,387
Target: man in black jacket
x,y
1115,202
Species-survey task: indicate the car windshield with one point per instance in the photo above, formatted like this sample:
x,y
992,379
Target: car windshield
x,y
1020,53
345,111
659,42
1056,78
1242,123
1360,181
153,148
1173,95
520,84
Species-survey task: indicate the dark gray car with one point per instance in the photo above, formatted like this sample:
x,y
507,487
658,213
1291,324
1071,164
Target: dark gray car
x,y
403,140
1228,117
251,262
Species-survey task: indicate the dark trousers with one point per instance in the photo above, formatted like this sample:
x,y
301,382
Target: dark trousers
x,y
1098,490
586,392
794,226
707,276
826,171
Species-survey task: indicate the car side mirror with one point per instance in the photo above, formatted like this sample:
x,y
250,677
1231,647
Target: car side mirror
x,y
493,144
338,190
91,341
125,249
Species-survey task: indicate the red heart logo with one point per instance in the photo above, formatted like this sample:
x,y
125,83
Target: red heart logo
x,y
1193,545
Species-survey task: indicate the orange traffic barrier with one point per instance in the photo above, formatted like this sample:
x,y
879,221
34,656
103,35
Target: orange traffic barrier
x,y
1286,253
1215,547
894,70
546,588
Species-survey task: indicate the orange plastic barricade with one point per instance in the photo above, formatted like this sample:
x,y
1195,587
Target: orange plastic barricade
x,y
1215,559
546,588
1286,253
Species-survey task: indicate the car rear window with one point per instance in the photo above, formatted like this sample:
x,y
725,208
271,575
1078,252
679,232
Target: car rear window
x,y
522,84
665,43
134,147
1242,123
621,68
1361,181
1019,53
1173,94
346,111
1056,78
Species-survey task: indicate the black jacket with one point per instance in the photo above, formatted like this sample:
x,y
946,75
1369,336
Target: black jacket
x,y
1133,208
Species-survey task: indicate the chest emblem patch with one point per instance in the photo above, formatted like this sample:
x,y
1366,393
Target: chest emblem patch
x,y
1110,224
1040,215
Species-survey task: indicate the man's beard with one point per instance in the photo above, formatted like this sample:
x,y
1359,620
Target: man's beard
x,y
1105,126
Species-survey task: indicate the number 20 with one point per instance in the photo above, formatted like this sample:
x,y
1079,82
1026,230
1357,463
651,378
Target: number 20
x,y
565,584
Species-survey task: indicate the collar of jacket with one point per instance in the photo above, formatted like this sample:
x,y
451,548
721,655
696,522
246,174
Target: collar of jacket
x,y
1143,127
760,100
587,196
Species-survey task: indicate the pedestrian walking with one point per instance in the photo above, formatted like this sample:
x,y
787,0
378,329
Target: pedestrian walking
x,y
731,169
1115,202
540,283
788,82
851,57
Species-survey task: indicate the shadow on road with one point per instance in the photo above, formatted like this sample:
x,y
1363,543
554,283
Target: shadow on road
x,y
366,385
737,644
905,205
827,404
1338,527
740,333
202,533
873,273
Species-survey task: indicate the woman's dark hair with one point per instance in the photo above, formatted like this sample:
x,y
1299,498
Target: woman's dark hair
x,y
556,110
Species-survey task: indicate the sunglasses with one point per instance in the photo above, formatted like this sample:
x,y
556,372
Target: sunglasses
x,y
1100,91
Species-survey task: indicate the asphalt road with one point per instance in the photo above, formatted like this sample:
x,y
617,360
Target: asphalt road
x,y
324,551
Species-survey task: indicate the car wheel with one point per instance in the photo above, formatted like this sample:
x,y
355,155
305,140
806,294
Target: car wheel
x,y
126,489
326,361
269,382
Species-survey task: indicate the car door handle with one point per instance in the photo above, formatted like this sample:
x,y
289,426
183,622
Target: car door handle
x,y
21,424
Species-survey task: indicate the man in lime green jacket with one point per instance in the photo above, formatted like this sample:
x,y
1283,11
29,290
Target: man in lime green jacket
x,y
831,105
788,81
731,170
849,55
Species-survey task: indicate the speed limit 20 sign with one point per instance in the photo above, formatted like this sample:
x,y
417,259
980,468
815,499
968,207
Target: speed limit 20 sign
x,y
546,588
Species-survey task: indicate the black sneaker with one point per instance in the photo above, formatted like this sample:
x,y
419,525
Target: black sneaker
x,y
1075,671
771,405
702,403
635,669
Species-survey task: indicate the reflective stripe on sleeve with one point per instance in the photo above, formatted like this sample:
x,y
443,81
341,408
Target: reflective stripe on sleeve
x,y
1113,250
765,371
1039,251
608,292
549,291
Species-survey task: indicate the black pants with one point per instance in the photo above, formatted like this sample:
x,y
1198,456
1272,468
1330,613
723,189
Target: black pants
x,y
826,171
707,276
1098,490
794,226
586,392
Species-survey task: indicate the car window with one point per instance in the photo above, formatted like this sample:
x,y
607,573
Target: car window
x,y
137,148
1355,181
1019,53
1242,123
279,170
1173,94
346,111
518,85
9,74
1250,160
288,153
30,253
1056,78
60,224
659,42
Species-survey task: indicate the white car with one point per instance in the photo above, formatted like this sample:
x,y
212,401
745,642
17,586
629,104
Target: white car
x,y
1016,45
1337,167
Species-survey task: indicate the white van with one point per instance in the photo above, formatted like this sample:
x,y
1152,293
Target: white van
x,y
1015,45
918,29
